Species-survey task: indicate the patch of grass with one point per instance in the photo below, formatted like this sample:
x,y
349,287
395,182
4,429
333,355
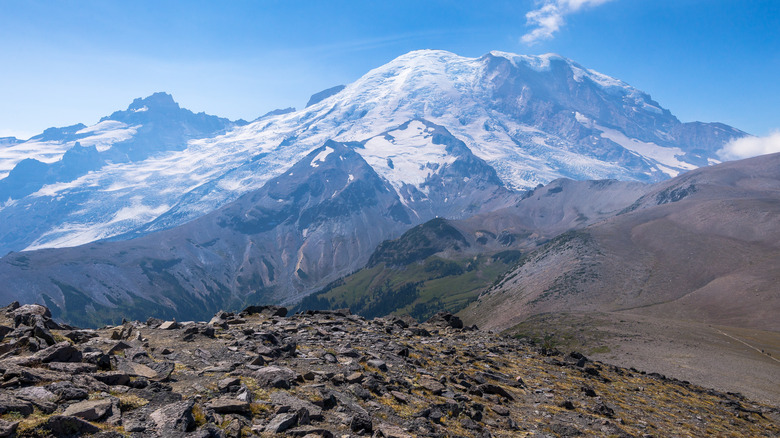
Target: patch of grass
x,y
403,410
566,332
198,415
12,416
60,338
128,402
32,426
259,408
418,289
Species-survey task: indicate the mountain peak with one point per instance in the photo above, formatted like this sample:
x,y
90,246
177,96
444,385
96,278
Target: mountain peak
x,y
537,62
425,56
159,100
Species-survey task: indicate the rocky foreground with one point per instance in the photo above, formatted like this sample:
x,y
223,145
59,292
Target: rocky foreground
x,y
325,374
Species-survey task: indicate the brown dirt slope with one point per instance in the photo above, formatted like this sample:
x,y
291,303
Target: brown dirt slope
x,y
700,250
703,247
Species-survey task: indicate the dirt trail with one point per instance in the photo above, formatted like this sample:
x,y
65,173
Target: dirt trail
x,y
748,345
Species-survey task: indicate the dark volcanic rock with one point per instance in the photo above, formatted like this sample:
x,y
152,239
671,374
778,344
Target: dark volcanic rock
x,y
8,428
229,405
90,410
445,319
12,404
61,352
275,377
112,378
65,426
266,310
281,422
175,417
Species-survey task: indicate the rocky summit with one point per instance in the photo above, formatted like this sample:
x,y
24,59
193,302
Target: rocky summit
x,y
329,373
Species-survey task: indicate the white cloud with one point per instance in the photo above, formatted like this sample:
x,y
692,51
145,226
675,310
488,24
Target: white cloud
x,y
548,17
747,147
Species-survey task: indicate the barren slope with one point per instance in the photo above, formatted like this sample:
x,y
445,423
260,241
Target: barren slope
x,y
704,247
688,276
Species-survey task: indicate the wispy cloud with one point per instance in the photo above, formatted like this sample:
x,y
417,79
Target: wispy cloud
x,y
548,18
747,147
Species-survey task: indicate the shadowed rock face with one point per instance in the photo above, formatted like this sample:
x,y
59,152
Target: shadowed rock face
x,y
334,374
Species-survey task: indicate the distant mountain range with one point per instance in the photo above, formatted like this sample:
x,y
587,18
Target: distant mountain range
x,y
156,165
203,213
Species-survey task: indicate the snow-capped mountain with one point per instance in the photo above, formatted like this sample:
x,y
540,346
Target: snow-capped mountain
x,y
531,118
8,141
65,186
317,221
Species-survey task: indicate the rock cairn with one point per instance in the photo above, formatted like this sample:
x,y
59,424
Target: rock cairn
x,y
329,373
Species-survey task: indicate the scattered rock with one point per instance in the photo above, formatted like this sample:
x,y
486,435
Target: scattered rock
x,y
169,325
292,403
446,319
8,428
565,430
135,369
274,377
378,364
61,352
175,417
309,432
228,384
500,410
400,397
65,426
320,374
361,423
266,310
12,404
119,346
229,405
36,393
435,387
91,410
162,369
72,368
281,422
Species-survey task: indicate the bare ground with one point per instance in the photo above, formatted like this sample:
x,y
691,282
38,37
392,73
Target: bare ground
x,y
726,358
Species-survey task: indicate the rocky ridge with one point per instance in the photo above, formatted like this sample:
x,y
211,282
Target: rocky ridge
x,y
329,373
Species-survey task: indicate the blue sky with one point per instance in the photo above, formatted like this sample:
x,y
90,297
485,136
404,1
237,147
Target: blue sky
x,y
66,62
